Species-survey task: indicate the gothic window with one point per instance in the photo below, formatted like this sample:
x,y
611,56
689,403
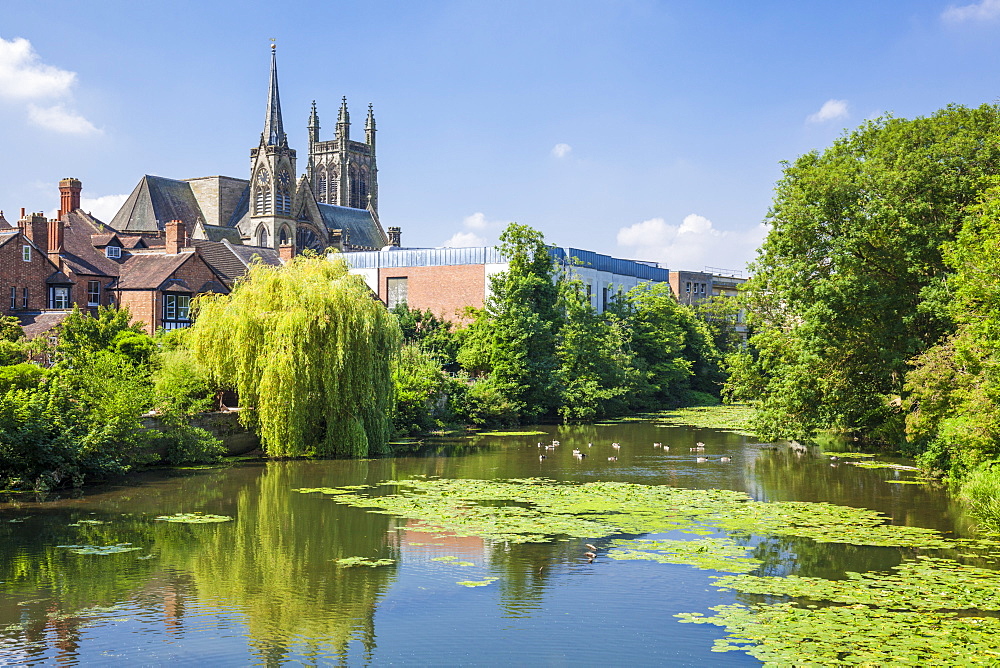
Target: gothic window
x,y
262,197
262,236
283,201
355,189
283,237
363,189
333,192
306,237
322,188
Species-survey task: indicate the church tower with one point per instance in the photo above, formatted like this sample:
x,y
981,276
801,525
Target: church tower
x,y
272,176
343,171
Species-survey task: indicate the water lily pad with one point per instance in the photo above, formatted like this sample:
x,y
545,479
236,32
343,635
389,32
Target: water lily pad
x,y
510,433
193,518
100,549
478,583
348,562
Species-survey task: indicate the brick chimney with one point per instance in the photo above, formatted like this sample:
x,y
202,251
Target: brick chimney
x,y
69,195
176,234
286,252
55,241
395,234
35,228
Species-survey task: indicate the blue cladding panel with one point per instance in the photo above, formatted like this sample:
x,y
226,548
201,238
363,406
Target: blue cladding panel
x,y
439,257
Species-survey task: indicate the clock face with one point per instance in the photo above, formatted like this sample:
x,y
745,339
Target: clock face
x,y
283,178
262,177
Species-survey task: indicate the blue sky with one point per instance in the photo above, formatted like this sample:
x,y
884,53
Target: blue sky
x,y
652,130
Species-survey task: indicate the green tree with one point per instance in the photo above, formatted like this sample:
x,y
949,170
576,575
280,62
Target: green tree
x,y
595,372
82,334
431,333
847,286
954,387
514,337
309,351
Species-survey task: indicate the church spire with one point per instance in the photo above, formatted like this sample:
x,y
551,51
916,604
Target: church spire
x,y
343,121
370,127
274,132
313,126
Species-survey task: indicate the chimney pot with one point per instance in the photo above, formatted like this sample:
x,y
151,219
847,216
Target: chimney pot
x,y
69,194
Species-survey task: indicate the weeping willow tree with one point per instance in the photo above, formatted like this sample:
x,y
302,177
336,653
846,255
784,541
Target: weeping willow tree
x,y
309,350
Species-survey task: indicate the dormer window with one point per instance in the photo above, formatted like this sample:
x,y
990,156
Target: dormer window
x,y
113,252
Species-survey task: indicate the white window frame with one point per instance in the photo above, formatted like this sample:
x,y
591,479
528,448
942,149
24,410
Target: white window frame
x,y
59,297
93,295
26,253
113,252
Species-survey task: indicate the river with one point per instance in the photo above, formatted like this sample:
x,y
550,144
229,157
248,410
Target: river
x,y
265,587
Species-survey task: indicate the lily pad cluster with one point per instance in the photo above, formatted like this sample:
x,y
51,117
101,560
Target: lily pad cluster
x,y
193,518
926,611
348,562
100,549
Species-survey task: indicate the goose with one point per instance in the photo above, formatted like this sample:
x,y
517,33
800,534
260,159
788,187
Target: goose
x,y
541,457
593,548
701,460
616,446
590,555
612,459
726,459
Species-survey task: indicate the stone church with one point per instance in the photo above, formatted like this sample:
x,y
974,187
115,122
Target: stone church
x,y
334,204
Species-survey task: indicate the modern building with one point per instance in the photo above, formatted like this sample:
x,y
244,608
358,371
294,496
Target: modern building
x,y
447,280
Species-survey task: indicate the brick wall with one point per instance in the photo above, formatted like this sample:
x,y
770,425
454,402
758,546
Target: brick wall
x,y
141,305
16,273
444,290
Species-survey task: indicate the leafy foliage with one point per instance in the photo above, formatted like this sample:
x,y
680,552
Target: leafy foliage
x,y
847,288
309,350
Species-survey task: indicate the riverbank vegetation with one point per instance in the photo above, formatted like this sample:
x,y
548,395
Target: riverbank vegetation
x,y
874,300
540,350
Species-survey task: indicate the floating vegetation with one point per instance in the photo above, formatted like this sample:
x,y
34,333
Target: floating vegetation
x,y
80,523
348,562
725,418
478,583
852,635
193,518
532,510
883,465
849,455
100,549
324,490
909,482
509,433
444,558
717,554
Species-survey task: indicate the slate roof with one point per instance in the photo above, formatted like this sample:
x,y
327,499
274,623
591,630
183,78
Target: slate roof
x,y
218,233
248,253
7,235
79,253
37,323
361,226
149,271
155,201
4,225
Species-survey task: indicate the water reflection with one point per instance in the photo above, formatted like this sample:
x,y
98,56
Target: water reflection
x,y
265,588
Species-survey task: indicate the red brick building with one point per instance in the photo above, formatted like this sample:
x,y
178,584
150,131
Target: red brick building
x,y
49,266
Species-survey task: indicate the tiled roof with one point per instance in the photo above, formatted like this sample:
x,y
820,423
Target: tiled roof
x,y
362,228
218,233
79,253
248,253
149,271
7,235
220,257
155,201
37,323
4,225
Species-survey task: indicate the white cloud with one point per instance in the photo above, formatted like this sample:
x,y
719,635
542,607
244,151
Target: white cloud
x,y
60,119
476,221
465,240
984,10
23,76
831,110
692,245
561,150
25,79
478,232
103,208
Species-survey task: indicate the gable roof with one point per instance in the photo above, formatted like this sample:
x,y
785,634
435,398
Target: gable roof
x,y
361,227
149,270
155,201
79,252
218,233
36,323
4,225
